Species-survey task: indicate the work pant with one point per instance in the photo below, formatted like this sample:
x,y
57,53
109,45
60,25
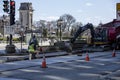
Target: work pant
x,y
32,56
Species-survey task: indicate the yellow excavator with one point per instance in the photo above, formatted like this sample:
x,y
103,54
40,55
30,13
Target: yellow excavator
x,y
95,36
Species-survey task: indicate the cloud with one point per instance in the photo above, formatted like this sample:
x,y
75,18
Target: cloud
x,y
95,19
98,17
1,14
89,19
88,4
43,14
49,18
52,17
80,11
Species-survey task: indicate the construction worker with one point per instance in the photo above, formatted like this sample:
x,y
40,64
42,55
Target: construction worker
x,y
34,41
32,54
34,46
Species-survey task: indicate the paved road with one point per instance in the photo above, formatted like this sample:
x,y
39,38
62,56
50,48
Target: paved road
x,y
102,66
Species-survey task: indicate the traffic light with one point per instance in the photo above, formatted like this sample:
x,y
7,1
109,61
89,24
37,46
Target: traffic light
x,y
12,7
12,12
6,6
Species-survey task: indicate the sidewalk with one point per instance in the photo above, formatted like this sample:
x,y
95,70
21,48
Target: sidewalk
x,y
18,46
22,56
4,59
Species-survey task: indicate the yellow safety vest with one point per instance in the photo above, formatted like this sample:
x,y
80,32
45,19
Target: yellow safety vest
x,y
31,48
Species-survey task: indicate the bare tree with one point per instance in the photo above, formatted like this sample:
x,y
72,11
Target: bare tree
x,y
75,27
68,21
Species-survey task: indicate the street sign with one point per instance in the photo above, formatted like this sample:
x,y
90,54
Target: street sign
x,y
118,11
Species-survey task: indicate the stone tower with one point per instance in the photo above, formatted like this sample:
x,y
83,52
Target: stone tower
x,y
26,15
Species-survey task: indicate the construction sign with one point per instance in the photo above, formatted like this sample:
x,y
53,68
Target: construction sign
x,y
118,11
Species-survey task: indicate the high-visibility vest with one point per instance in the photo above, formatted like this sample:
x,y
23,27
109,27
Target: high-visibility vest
x,y
31,48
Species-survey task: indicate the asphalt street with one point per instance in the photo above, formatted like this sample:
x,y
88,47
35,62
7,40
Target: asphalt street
x,y
102,66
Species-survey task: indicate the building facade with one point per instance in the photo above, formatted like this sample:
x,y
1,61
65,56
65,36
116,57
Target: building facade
x,y
26,15
26,19
4,23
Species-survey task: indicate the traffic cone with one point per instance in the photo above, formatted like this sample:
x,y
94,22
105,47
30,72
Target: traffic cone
x,y
87,57
44,62
113,54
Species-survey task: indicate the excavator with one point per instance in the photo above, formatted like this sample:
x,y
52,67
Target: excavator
x,y
102,37
81,30
90,40
70,45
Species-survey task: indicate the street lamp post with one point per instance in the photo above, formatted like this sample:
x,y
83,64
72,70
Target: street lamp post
x,y
21,33
41,34
4,23
59,24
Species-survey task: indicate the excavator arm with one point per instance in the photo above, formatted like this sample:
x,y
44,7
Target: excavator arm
x,y
82,29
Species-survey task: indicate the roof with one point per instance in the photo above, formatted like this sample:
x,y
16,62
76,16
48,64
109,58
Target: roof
x,y
114,23
26,6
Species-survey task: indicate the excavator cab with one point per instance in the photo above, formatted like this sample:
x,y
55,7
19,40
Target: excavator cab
x,y
100,36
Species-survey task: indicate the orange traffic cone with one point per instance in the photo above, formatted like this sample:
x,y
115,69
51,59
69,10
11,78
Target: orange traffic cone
x,y
87,57
44,62
113,54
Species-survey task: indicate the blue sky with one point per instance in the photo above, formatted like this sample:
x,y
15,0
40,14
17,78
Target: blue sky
x,y
93,11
